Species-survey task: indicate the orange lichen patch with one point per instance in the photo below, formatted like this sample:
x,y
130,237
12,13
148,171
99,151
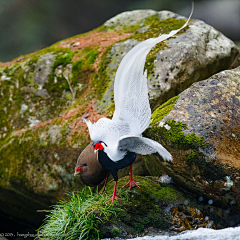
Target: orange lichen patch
x,y
227,151
226,143
101,39
8,64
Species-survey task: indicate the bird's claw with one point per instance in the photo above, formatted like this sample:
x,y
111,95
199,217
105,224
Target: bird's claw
x,y
131,183
112,198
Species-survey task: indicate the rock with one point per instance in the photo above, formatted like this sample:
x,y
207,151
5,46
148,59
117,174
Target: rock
x,y
129,18
201,128
196,54
45,94
154,207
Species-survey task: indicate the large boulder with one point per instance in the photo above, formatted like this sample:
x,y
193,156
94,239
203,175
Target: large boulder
x,y
45,94
201,128
198,52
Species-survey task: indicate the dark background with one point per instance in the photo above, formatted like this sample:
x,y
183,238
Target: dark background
x,y
30,25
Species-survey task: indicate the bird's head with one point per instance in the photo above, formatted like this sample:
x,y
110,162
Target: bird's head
x,y
99,146
79,169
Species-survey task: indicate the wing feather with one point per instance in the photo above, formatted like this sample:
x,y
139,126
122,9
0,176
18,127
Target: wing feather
x,y
144,146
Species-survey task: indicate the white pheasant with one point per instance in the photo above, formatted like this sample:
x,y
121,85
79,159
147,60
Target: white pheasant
x,y
119,139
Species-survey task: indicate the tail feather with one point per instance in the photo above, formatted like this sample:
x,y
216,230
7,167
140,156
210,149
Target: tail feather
x,y
130,86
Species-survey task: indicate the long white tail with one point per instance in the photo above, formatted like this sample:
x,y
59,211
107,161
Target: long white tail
x,y
130,86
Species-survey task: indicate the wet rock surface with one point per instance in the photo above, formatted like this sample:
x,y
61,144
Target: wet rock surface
x,y
202,132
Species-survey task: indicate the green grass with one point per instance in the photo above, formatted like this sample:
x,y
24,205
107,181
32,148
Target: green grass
x,y
76,218
86,215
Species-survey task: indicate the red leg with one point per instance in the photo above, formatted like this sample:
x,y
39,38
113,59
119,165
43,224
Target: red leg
x,y
114,196
131,182
105,184
97,189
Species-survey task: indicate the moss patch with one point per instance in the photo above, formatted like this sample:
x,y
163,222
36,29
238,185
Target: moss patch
x,y
163,110
157,27
102,80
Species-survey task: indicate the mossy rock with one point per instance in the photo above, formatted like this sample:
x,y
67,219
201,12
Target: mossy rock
x,y
154,207
200,128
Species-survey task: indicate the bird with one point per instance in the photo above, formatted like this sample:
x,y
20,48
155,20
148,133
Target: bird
x,y
117,141
91,172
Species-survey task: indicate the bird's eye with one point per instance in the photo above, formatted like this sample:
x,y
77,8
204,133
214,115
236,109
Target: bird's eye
x,y
98,146
79,169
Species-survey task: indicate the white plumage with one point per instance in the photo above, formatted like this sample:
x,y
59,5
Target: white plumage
x,y
132,113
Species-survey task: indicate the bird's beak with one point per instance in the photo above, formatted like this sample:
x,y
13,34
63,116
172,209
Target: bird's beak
x,y
95,151
76,173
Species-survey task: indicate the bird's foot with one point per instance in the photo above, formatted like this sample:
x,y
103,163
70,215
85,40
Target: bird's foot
x,y
105,184
114,196
131,183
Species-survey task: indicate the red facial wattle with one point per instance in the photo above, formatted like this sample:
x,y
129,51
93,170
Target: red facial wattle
x,y
98,146
79,169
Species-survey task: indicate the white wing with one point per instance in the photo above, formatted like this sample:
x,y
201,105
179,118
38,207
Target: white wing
x,y
143,146
132,110
130,86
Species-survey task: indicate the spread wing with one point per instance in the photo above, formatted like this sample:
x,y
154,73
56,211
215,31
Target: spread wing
x,y
144,146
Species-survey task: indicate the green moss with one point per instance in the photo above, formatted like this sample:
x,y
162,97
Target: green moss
x,y
63,59
102,80
91,54
11,99
55,90
116,231
32,149
175,133
83,72
176,136
154,25
157,27
163,110
193,157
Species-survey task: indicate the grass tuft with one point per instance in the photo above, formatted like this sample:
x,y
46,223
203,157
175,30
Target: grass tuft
x,y
87,216
76,218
